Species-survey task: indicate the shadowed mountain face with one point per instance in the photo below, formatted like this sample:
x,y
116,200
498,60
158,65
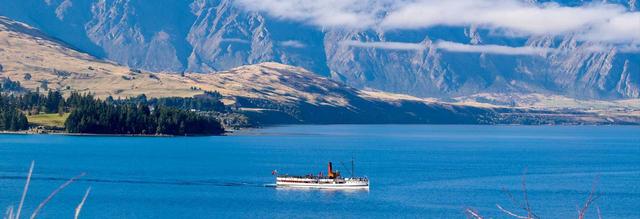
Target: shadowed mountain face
x,y
274,93
270,93
216,35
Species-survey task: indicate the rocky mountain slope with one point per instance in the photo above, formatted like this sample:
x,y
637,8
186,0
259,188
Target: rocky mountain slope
x,y
268,92
216,35
40,62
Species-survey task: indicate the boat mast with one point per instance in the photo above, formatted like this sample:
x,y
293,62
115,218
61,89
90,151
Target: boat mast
x,y
352,168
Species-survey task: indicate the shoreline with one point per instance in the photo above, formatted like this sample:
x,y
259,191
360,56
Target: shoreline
x,y
239,131
99,135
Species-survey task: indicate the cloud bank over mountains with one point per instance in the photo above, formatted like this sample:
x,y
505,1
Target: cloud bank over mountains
x,y
322,13
595,22
453,47
577,48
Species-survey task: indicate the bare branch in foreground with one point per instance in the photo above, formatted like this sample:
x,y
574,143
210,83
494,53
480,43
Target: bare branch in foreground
x,y
524,205
9,213
54,193
24,191
79,208
473,214
593,195
527,206
511,213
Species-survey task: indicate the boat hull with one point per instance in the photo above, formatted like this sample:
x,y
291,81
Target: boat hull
x,y
322,183
322,186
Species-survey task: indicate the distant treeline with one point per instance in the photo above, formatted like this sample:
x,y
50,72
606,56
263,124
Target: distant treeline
x,y
7,84
164,116
209,101
11,119
101,117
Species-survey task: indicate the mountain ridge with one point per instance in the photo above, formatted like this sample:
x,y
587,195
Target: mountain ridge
x,y
218,35
269,92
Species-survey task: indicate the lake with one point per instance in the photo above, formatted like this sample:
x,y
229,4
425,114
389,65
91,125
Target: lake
x,y
427,171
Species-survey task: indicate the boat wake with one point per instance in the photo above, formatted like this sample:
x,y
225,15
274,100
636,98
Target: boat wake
x,y
145,181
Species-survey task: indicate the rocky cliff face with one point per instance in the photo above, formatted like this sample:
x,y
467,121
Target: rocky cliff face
x,y
215,35
273,93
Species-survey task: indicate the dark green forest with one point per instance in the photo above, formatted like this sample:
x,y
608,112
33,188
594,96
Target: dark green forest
x,y
9,85
139,115
101,117
11,119
209,101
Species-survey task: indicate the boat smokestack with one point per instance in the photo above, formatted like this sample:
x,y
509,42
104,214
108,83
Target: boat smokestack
x,y
332,174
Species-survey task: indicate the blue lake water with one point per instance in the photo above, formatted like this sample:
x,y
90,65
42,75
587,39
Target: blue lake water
x,y
415,170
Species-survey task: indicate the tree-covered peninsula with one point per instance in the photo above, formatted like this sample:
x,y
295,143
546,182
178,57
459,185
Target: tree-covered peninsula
x,y
101,117
132,116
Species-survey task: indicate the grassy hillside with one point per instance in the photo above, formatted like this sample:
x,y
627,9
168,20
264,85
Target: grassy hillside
x,y
268,92
39,62
50,120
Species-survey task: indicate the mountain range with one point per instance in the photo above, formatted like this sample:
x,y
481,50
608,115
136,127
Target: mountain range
x,y
206,36
274,93
269,93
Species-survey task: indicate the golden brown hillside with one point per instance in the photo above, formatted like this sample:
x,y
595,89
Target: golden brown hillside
x,y
24,50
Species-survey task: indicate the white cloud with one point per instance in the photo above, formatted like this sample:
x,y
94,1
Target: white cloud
x,y
619,29
385,45
325,13
453,47
235,40
293,44
492,49
634,48
510,15
611,23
